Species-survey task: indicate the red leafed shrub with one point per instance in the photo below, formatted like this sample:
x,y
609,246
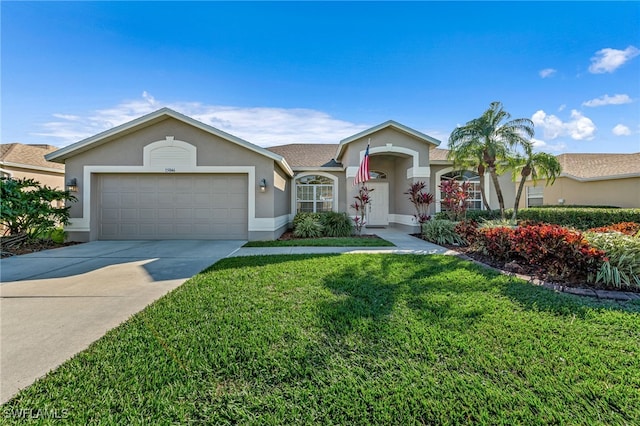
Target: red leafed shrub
x,y
495,242
627,228
563,253
468,230
556,251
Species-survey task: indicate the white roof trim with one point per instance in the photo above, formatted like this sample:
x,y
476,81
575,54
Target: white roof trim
x,y
60,155
389,123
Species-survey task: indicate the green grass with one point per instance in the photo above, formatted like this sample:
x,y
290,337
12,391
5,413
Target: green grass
x,y
324,242
355,339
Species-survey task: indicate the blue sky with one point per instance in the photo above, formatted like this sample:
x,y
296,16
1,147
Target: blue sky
x,y
315,72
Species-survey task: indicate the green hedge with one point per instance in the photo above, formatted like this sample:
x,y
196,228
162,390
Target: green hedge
x,y
572,216
476,215
580,217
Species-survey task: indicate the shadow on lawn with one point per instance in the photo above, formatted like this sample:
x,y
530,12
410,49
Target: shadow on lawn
x,y
370,291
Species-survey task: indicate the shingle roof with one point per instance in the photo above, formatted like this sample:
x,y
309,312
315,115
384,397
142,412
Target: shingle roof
x,y
595,166
438,154
30,155
307,155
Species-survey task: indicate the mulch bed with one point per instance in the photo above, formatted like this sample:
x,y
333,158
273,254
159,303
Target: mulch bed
x,y
523,269
26,247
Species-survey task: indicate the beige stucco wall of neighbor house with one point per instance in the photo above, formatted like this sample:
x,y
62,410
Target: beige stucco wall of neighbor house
x,y
52,179
612,192
127,150
508,192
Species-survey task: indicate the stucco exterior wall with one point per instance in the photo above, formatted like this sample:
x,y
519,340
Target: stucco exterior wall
x,y
127,150
613,192
351,154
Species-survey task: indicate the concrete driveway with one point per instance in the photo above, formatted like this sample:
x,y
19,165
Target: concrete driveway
x,y
54,303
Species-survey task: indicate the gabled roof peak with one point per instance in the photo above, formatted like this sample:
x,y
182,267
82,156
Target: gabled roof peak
x,y
85,144
389,123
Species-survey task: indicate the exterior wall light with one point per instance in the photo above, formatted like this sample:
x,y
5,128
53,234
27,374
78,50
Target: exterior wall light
x,y
263,185
72,185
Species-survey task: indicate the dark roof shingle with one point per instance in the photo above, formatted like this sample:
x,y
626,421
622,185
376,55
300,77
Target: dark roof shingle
x,y
307,154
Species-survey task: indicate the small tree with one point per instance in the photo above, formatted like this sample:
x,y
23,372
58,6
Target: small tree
x,y
454,198
29,208
363,199
421,201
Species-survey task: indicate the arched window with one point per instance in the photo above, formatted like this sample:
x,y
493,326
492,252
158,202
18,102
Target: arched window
x,y
314,193
474,200
377,175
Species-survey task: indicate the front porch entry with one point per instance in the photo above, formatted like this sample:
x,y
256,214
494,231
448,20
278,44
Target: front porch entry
x,y
378,214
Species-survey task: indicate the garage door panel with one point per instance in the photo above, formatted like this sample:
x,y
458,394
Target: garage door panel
x,y
147,214
128,214
144,206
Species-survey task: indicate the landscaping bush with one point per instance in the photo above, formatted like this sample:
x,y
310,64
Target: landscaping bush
x,y
467,230
441,231
30,208
560,252
496,223
336,224
563,253
623,253
302,215
308,227
475,215
580,218
57,235
626,228
495,242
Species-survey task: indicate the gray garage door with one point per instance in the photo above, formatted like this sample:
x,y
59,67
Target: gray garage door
x,y
172,206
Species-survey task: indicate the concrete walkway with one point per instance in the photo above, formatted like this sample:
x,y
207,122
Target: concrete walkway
x,y
55,303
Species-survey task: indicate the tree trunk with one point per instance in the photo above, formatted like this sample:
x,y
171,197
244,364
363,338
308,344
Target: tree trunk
x,y
526,171
518,195
496,184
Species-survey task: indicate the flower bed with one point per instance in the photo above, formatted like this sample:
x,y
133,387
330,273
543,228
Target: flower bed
x,y
555,253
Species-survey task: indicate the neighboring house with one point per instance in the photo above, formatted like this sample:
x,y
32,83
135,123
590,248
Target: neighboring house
x,y
590,179
27,161
168,176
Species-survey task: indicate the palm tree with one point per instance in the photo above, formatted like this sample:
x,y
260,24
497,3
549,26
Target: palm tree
x,y
489,139
539,165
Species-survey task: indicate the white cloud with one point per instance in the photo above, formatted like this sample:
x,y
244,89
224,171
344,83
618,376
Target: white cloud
x,y
621,130
259,125
562,107
578,127
541,145
608,100
547,72
608,60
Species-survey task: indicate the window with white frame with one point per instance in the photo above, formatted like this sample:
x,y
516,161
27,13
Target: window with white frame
x,y
535,196
377,175
474,195
314,193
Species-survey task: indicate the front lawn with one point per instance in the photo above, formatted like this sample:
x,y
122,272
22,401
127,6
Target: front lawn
x,y
355,339
368,241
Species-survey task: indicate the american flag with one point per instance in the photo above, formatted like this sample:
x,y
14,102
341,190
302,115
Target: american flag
x,y
363,171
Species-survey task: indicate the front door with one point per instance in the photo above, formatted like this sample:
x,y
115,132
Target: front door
x,y
378,214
